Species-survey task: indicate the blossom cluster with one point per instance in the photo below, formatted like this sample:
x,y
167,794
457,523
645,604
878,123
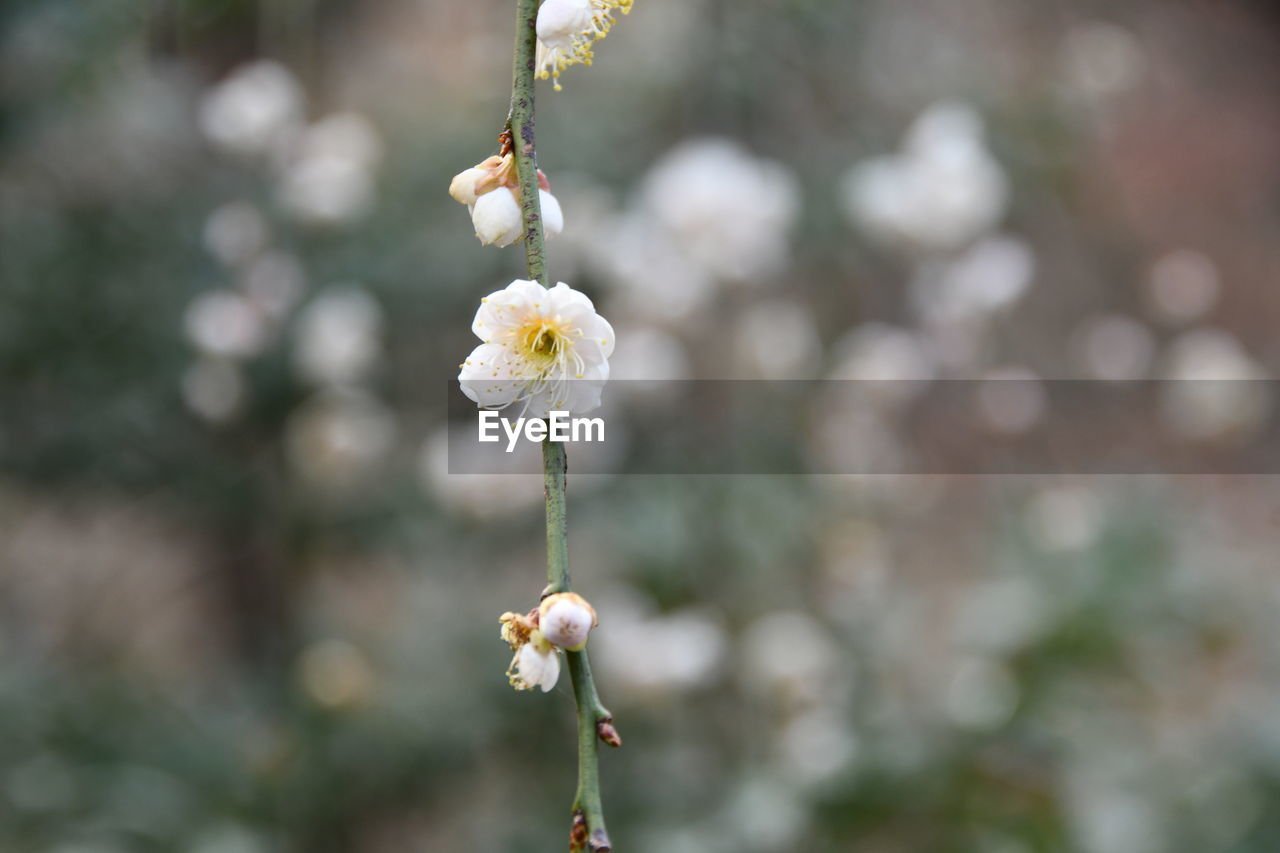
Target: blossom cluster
x,y
491,192
562,621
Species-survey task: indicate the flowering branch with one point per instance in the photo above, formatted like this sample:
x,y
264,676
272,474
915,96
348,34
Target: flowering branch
x,y
594,720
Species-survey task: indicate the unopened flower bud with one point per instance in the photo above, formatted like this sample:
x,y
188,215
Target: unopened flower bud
x,y
552,215
463,185
497,218
560,20
536,664
608,733
565,619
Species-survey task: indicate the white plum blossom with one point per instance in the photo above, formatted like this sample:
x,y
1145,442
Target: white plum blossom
x,y
463,185
545,348
552,215
568,31
559,21
497,218
941,192
536,664
491,192
566,619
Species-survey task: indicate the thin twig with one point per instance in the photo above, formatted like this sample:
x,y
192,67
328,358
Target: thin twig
x,y
594,721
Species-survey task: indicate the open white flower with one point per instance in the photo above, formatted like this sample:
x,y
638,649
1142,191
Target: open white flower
x,y
536,664
547,349
567,30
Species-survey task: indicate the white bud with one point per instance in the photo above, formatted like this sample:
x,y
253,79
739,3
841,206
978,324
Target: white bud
x,y
565,619
552,215
559,20
535,667
463,185
497,218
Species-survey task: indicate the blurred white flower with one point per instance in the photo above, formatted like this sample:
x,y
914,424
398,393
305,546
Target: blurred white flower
x,y
253,110
789,654
1113,348
275,281
568,30
338,439
1108,816
1184,286
337,339
988,277
648,352
234,233
776,339
326,190
479,495
545,348
1011,400
213,389
228,838
1101,59
1213,389
347,136
653,277
1065,518
644,652
765,816
224,323
328,175
893,364
729,211
942,191
335,673
982,694
1002,615
816,746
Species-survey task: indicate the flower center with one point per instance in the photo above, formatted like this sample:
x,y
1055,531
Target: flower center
x,y
542,342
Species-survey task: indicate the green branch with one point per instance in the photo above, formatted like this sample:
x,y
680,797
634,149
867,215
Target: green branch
x,y
594,721
520,125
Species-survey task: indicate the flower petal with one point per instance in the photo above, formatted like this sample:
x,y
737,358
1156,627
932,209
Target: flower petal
x,y
492,376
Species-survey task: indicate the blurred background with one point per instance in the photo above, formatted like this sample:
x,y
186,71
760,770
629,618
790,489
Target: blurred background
x,y
244,608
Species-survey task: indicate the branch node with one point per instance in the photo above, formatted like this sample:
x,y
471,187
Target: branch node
x,y
607,732
578,831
